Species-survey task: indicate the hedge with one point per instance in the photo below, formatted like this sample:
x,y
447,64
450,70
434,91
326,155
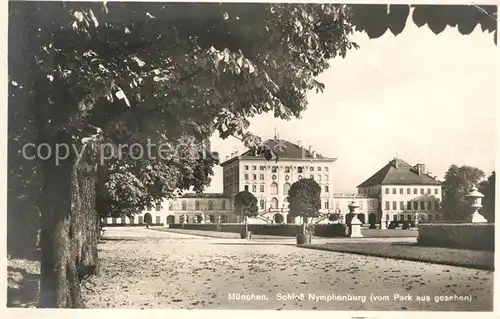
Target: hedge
x,y
322,230
464,236
129,225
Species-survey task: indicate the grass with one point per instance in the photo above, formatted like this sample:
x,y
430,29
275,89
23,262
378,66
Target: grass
x,y
475,259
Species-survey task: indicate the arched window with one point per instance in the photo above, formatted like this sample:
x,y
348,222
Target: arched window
x,y
286,189
274,203
274,189
210,205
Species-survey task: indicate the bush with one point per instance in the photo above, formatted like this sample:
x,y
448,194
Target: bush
x,y
464,236
320,230
406,225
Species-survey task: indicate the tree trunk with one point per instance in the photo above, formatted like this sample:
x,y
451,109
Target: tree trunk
x,y
246,224
69,233
304,223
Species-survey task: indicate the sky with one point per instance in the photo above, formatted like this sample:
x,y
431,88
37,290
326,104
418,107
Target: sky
x,y
423,97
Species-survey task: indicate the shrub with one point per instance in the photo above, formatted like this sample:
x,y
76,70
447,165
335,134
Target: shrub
x,y
465,236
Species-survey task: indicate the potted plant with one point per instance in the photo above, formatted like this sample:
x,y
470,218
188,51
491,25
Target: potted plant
x,y
304,200
245,204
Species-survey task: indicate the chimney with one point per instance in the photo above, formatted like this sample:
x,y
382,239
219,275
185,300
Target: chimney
x,y
421,169
227,158
299,143
232,155
236,153
396,162
314,154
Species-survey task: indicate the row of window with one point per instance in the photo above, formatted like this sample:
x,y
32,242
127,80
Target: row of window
x,y
274,204
274,169
412,205
274,188
287,177
415,191
210,206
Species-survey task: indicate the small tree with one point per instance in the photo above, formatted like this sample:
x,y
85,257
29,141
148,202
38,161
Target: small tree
x,y
487,187
304,200
245,204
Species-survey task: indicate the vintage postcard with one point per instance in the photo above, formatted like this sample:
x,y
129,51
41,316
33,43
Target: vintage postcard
x,y
251,156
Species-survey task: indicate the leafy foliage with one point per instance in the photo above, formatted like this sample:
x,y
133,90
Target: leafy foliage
x,y
304,198
376,19
170,73
246,204
458,182
487,188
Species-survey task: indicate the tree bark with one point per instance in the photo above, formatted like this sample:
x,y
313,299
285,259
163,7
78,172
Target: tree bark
x,y
69,233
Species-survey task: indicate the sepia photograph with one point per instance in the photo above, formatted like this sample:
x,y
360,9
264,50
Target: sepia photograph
x,y
251,156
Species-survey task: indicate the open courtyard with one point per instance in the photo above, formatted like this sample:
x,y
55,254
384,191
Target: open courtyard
x,y
144,268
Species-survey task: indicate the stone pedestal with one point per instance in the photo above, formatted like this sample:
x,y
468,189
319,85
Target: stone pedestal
x,y
355,224
474,198
383,224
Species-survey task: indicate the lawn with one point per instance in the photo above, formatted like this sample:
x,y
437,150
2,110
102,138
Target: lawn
x,y
409,251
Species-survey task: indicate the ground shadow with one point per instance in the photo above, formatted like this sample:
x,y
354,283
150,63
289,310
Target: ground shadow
x,y
255,244
24,288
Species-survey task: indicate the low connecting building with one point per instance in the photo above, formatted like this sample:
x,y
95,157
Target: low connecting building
x,y
397,192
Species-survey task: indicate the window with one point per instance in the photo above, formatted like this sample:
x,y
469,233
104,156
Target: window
x,y
262,168
415,191
402,205
327,189
327,205
150,209
394,191
408,217
436,217
273,177
299,177
319,177
210,205
287,169
261,177
422,203
286,189
326,177
262,188
246,167
158,207
246,177
408,191
394,217
274,188
415,205
436,205
254,168
408,205
299,169
429,205
262,204
254,188
223,205
318,169
387,205
197,205
274,169
311,169
428,190
394,206
326,168
246,188
401,191
436,191
254,177
311,176
361,205
183,205
387,191
422,191
170,206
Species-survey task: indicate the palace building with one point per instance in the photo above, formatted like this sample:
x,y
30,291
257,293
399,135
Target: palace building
x,y
398,191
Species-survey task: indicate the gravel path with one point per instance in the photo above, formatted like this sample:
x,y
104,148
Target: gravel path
x,y
150,269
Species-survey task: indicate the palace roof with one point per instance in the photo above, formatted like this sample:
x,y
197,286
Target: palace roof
x,y
399,172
